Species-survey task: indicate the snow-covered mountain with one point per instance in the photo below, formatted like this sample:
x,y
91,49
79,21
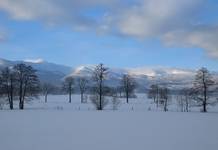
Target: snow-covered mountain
x,y
175,78
47,72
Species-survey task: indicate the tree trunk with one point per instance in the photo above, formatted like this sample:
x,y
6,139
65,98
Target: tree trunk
x,y
186,106
70,97
204,107
20,95
46,95
157,101
205,98
11,104
127,97
165,105
100,97
82,97
21,104
11,94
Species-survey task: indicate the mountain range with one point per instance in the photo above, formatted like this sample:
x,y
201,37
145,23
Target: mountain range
x,y
174,78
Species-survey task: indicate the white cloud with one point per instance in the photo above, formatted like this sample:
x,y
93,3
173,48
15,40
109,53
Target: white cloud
x,y
53,12
38,60
155,17
173,21
29,10
201,36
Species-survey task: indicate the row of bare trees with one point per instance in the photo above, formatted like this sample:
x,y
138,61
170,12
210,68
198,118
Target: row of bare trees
x,y
97,87
160,95
198,95
19,82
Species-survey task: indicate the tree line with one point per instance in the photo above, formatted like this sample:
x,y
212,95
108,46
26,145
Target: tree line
x,y
200,94
20,82
99,90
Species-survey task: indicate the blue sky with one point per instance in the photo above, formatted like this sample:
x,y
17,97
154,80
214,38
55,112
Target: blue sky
x,y
171,33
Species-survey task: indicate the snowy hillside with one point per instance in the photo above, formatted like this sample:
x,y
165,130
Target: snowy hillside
x,y
48,72
175,78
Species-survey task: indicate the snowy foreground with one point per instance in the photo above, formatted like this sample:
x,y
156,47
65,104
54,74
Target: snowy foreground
x,y
58,125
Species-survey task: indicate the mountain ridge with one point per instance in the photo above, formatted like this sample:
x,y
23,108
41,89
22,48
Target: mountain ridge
x,y
144,76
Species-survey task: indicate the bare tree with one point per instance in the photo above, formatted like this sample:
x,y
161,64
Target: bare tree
x,y
99,76
68,86
153,93
8,84
82,82
1,93
184,99
47,88
115,102
119,90
164,97
201,90
128,84
28,82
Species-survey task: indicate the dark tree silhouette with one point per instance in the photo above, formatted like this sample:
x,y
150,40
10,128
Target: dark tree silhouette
x,y
68,86
99,76
27,82
82,83
184,99
47,88
201,90
164,95
128,84
153,93
8,84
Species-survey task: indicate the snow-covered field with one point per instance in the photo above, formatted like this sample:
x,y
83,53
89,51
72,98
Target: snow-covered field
x,y
58,125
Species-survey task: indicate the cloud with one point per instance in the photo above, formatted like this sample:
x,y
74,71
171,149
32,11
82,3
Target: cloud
x,y
155,17
175,22
200,36
39,60
55,12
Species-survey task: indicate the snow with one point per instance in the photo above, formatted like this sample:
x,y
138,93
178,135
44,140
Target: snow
x,y
35,61
176,78
58,125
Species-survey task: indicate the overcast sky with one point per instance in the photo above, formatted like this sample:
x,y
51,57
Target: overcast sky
x,y
121,33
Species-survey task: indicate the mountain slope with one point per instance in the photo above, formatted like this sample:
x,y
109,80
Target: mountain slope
x,y
47,72
174,78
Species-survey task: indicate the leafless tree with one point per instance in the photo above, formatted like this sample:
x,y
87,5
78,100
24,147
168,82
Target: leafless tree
x,y
8,84
128,84
68,86
164,97
201,89
184,99
99,76
82,82
119,90
153,93
28,82
115,102
47,88
1,93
